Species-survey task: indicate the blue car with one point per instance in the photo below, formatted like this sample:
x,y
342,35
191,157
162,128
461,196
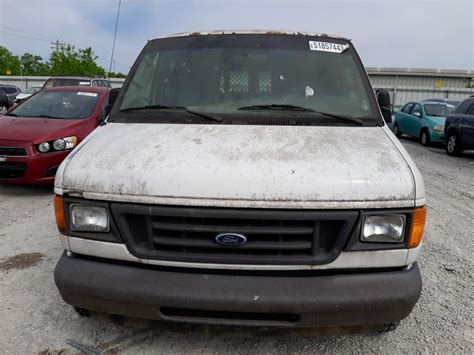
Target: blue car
x,y
424,120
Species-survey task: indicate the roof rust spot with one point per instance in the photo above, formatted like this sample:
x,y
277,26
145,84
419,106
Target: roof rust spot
x,y
264,32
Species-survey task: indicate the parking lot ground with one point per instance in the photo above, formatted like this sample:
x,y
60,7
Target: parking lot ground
x,y
34,319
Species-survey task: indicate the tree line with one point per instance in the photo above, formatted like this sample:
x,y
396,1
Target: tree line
x,y
66,61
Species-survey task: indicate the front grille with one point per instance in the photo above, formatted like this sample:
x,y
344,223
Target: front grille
x,y
12,170
13,152
273,236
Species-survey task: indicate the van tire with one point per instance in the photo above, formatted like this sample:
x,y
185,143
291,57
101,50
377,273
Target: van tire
x,y
396,131
3,109
425,138
453,146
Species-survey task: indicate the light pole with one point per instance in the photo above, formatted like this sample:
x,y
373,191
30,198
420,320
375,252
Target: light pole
x,y
115,36
21,74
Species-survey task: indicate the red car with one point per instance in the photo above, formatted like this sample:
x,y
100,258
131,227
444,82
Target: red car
x,y
38,134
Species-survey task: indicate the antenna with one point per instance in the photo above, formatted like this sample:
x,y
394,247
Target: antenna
x,y
115,36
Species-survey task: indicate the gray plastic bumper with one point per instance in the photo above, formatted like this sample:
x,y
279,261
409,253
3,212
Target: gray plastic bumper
x,y
329,300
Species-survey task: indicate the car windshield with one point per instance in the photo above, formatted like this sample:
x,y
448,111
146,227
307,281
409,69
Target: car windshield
x,y
250,74
58,104
438,109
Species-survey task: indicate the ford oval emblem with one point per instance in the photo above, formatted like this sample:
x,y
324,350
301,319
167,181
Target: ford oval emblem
x,y
231,239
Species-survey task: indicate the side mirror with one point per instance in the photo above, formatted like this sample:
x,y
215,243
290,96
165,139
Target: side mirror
x,y
417,114
383,99
113,93
111,98
107,109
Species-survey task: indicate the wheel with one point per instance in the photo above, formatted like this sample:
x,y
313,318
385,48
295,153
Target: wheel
x,y
396,131
3,109
453,147
425,138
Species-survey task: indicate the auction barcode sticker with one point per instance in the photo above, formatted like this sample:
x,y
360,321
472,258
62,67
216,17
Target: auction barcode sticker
x,y
92,94
327,47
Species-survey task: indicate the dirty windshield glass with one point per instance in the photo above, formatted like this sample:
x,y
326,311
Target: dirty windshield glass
x,y
220,74
58,104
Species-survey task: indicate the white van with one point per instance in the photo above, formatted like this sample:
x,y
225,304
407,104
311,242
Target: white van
x,y
243,178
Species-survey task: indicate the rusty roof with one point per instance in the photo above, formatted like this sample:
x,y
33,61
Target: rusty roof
x,y
260,32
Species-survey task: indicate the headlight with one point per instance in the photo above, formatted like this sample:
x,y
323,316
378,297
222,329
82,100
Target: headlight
x,y
383,229
71,142
58,144
438,128
89,219
44,147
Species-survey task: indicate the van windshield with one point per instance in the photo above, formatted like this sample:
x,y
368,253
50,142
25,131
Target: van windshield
x,y
225,74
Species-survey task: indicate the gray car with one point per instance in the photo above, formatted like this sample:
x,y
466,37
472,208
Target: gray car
x,y
7,95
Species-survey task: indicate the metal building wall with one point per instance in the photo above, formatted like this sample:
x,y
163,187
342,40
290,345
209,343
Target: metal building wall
x,y
407,85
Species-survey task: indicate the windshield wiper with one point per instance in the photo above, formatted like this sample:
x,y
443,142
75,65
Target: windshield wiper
x,y
152,107
341,117
44,116
282,107
171,107
285,107
204,115
11,114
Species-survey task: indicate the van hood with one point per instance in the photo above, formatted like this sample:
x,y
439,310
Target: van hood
x,y
240,166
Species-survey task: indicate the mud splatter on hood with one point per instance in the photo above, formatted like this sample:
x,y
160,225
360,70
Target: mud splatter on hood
x,y
241,166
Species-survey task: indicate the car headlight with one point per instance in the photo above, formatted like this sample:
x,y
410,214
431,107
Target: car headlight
x,y
383,229
58,144
439,128
89,218
44,147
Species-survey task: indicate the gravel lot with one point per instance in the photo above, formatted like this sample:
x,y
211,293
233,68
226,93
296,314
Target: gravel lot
x,y
34,319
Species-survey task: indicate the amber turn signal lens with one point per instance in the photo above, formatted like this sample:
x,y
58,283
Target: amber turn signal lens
x,y
417,227
59,213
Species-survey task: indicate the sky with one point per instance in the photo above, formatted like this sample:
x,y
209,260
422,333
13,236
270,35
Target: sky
x,y
386,33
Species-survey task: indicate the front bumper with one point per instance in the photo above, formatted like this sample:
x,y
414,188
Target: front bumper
x,y
324,300
437,136
40,168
